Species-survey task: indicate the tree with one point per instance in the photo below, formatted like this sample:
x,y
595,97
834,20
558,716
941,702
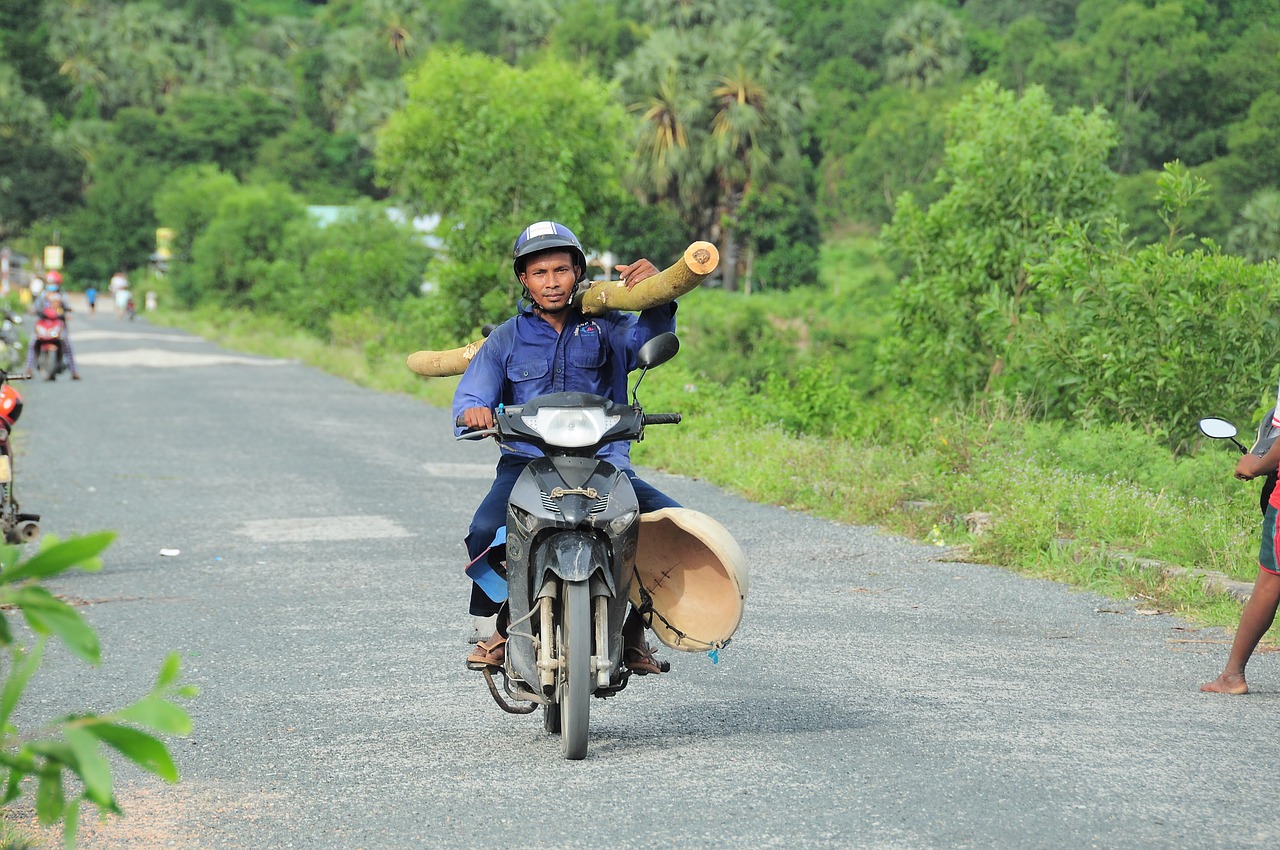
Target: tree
x,y
186,203
924,47
1013,168
492,148
1257,236
1146,334
719,109
1136,54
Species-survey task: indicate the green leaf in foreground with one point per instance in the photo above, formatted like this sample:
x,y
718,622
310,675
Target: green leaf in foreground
x,y
55,557
47,614
140,748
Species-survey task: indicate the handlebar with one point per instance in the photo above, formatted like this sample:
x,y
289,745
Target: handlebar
x,y
662,419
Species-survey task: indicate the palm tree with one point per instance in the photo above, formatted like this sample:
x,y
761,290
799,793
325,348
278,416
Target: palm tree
x,y
757,118
924,46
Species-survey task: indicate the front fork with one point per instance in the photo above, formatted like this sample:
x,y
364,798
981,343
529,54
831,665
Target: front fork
x,y
549,660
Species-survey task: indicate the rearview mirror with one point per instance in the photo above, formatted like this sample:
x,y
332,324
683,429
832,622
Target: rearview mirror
x,y
658,350
1218,429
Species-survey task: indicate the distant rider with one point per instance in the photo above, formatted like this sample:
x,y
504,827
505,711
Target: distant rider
x,y
51,303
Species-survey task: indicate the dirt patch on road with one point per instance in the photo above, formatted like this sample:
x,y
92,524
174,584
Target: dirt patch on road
x,y
188,816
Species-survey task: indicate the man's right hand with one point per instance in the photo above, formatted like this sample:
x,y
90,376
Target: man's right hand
x,y
477,418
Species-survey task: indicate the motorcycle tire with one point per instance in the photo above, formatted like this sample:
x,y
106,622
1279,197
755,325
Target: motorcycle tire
x,y
47,364
575,693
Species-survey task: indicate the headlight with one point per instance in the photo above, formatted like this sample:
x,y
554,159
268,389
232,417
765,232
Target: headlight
x,y
570,427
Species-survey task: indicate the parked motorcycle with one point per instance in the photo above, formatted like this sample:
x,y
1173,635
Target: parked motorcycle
x,y
50,329
18,527
12,354
574,560
1221,429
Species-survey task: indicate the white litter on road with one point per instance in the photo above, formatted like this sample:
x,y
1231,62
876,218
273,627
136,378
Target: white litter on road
x,y
310,529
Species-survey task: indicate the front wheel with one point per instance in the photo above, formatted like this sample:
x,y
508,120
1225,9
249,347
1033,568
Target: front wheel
x,y
47,363
575,693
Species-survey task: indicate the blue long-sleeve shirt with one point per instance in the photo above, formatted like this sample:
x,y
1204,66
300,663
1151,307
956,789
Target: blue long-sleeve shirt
x,y
524,358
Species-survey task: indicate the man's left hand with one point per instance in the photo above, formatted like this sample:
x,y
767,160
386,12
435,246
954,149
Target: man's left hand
x,y
636,272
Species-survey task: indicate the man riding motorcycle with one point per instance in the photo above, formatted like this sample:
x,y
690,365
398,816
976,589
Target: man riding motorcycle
x,y
550,346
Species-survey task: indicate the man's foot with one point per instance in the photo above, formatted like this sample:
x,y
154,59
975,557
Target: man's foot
x,y
488,653
640,660
1227,683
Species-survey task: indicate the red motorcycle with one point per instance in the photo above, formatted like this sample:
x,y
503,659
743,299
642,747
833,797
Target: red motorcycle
x,y
50,330
16,526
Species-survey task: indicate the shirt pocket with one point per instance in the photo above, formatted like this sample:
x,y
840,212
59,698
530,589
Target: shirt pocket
x,y
586,350
520,371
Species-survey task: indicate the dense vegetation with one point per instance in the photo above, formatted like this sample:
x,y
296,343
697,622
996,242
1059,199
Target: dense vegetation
x,y
1059,218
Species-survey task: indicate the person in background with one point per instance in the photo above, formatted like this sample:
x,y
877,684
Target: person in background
x,y
51,304
119,287
1260,611
91,297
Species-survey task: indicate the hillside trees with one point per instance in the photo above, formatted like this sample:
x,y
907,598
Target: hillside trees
x,y
492,148
719,110
1013,168
1150,335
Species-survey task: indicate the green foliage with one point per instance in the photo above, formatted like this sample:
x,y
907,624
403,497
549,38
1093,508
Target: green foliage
x,y
364,263
494,148
76,745
892,144
1013,168
239,260
1155,336
187,203
116,227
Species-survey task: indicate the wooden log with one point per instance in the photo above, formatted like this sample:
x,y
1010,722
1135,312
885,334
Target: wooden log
x,y
696,265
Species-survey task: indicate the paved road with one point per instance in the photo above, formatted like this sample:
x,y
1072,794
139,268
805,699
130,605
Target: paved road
x,y
875,697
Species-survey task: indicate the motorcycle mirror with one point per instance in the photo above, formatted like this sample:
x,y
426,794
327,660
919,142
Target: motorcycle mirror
x,y
655,352
658,350
486,329
1218,429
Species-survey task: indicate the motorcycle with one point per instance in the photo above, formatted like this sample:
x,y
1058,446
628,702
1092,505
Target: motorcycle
x,y
18,527
50,329
10,341
571,558
1221,429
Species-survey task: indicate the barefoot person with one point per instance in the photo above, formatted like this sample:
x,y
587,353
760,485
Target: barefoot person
x,y
1260,610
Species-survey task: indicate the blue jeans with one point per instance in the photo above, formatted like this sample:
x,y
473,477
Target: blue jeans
x,y
492,515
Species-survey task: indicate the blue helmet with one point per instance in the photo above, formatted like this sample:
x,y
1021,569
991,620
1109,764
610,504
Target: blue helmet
x,y
544,236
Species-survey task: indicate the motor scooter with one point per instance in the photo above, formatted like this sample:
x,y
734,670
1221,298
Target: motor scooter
x,y
1221,429
50,330
17,527
570,570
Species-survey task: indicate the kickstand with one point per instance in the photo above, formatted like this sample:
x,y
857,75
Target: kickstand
x,y
497,697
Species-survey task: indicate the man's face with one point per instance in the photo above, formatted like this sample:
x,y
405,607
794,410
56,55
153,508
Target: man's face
x,y
549,278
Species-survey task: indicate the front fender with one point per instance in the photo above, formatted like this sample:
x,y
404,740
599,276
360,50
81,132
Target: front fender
x,y
573,556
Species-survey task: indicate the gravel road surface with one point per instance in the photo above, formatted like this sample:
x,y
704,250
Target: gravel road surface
x,y
875,696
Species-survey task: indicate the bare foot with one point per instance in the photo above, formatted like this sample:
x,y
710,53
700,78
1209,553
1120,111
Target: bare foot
x,y
1227,683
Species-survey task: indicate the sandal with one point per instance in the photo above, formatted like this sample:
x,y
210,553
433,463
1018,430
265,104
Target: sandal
x,y
641,660
488,653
